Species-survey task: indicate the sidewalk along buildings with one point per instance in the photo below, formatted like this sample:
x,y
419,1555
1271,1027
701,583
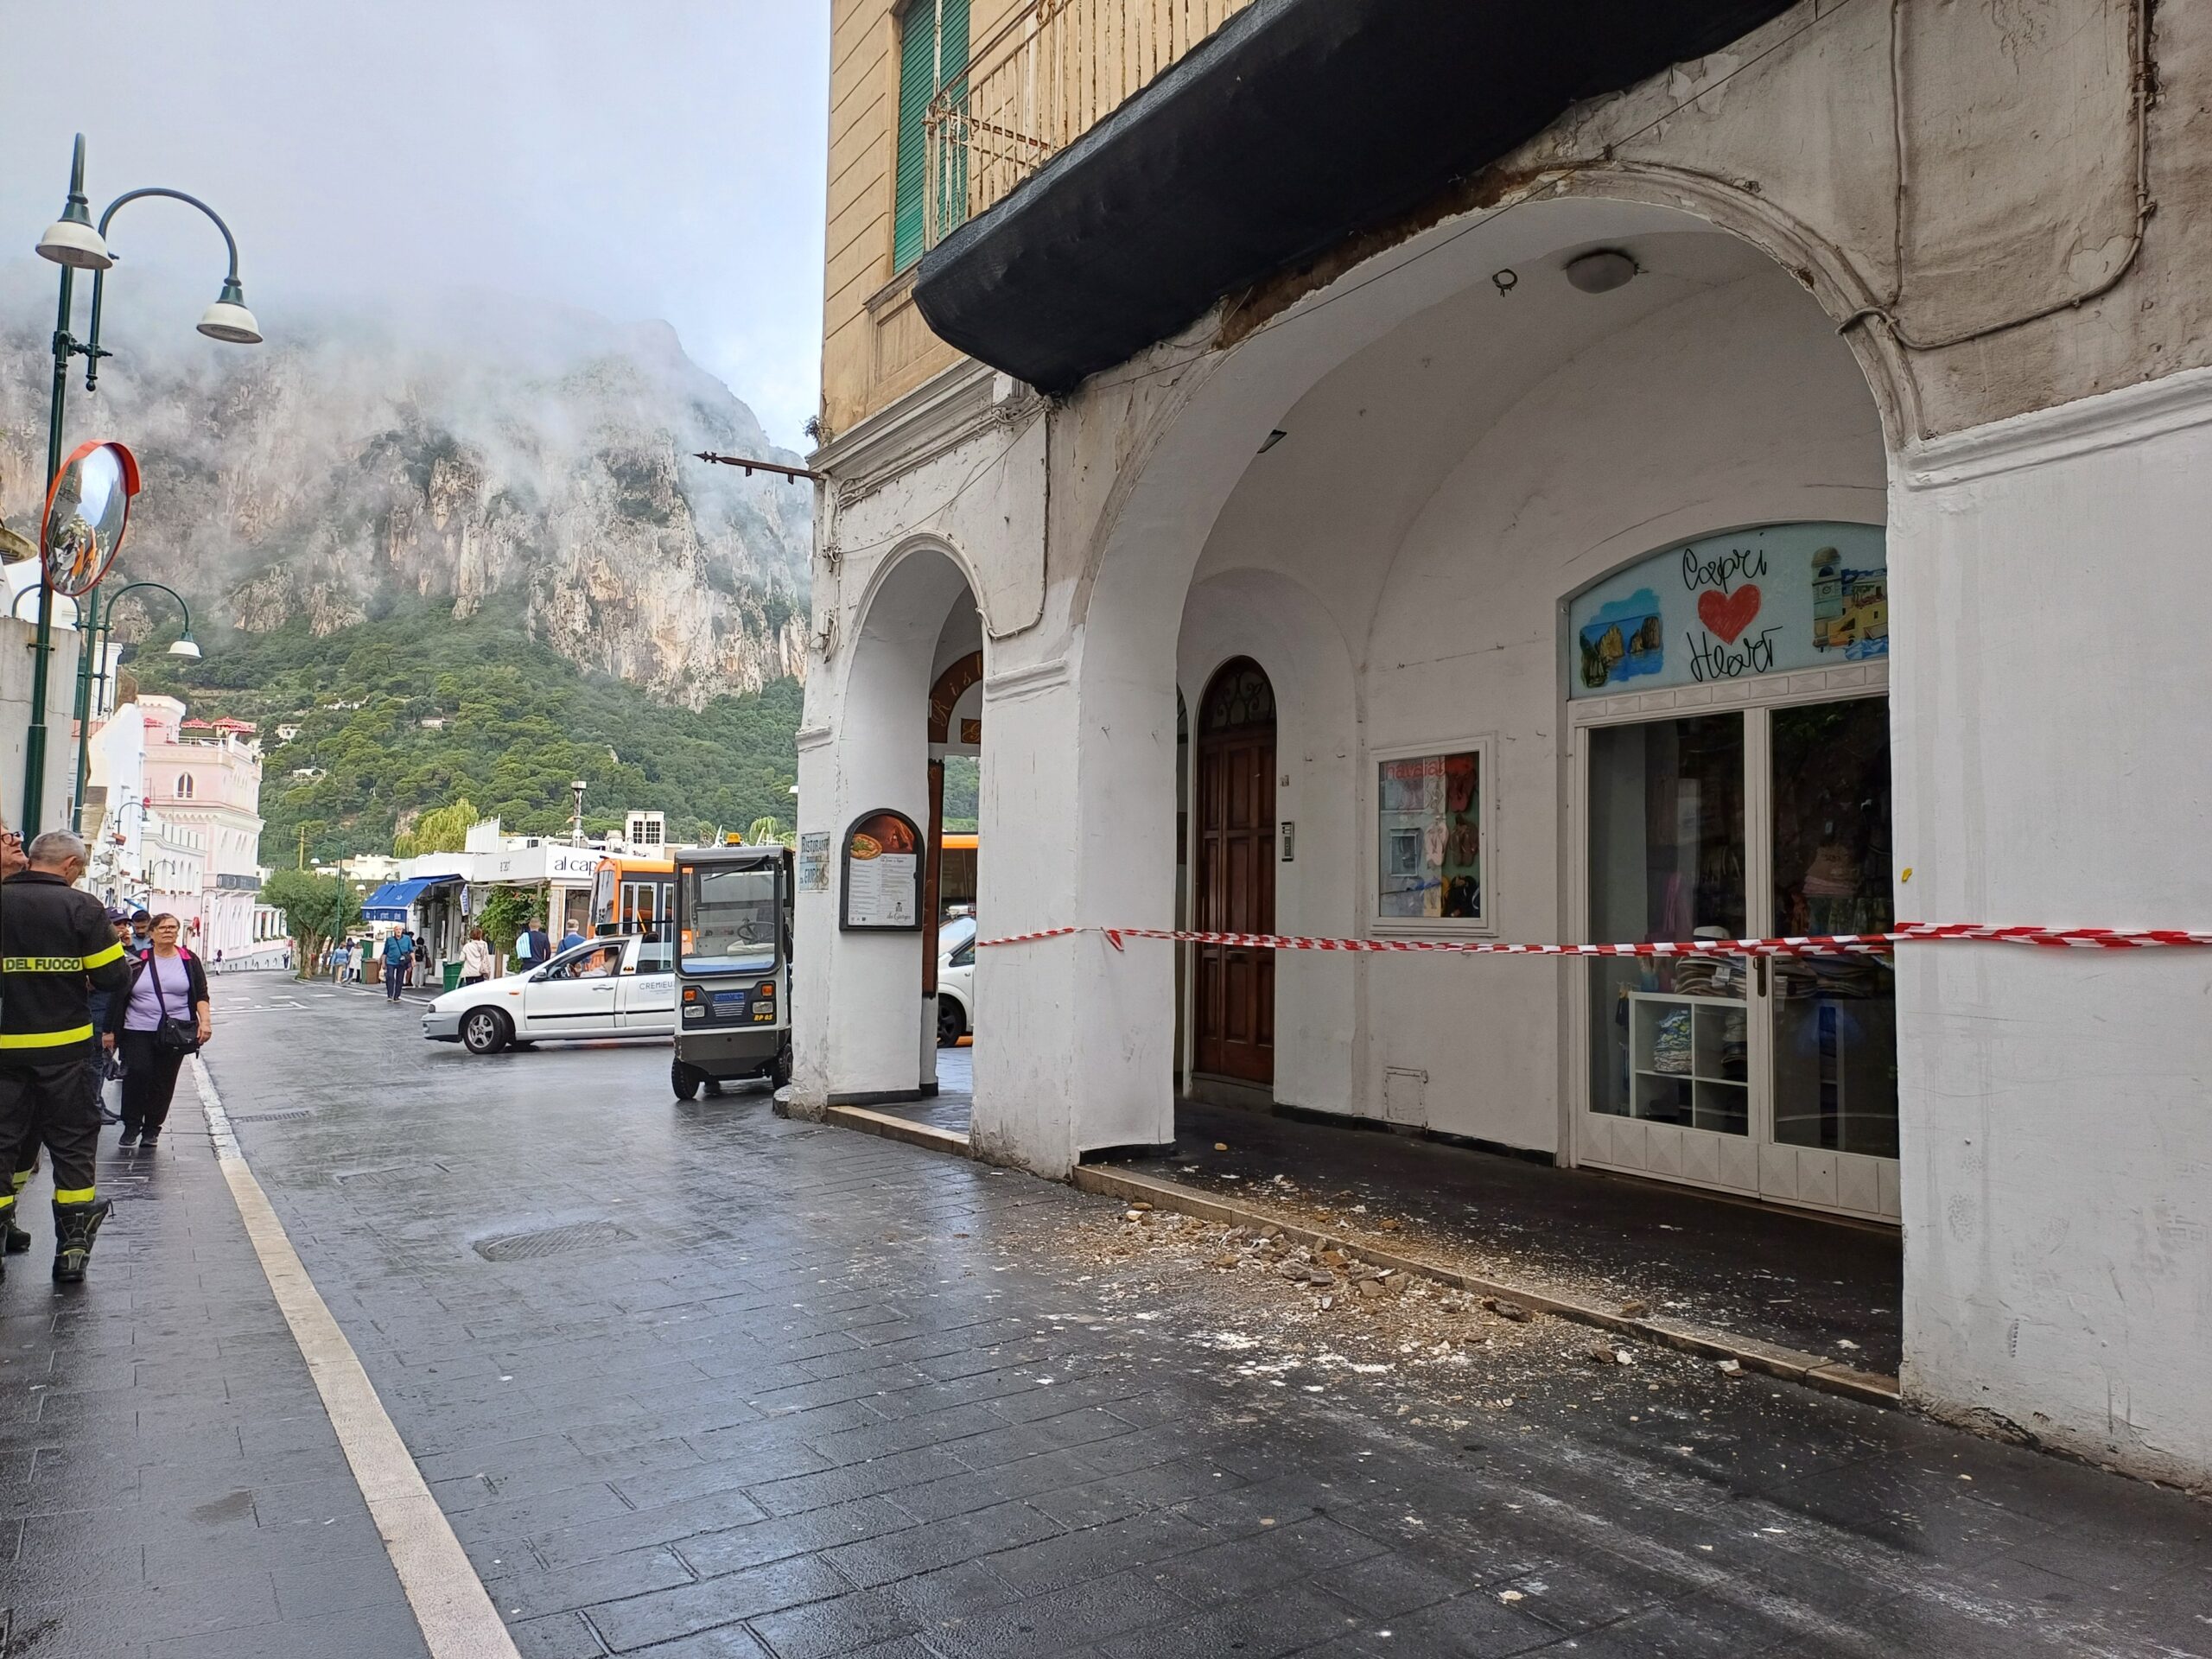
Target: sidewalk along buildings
x,y
1390,470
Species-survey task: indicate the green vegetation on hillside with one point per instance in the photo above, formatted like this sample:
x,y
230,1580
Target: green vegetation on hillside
x,y
517,723
962,777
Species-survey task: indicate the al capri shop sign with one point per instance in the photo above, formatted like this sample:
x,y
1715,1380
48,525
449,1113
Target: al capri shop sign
x,y
1767,601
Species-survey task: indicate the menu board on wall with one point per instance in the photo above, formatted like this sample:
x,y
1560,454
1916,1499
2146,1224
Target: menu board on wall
x,y
883,873
814,861
1766,600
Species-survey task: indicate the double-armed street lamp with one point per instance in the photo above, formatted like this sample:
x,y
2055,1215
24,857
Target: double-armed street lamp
x,y
183,646
75,242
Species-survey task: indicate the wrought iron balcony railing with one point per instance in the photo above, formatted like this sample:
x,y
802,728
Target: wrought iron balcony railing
x,y
1045,77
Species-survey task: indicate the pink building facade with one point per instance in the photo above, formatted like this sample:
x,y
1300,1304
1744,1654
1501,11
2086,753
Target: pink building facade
x,y
203,779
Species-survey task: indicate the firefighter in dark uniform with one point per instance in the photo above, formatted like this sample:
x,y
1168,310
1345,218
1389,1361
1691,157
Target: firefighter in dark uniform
x,y
55,945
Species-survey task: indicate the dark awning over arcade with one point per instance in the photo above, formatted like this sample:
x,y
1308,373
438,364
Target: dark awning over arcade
x,y
1297,122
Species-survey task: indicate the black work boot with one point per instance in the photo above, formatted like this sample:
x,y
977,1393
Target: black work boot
x,y
74,1224
18,1240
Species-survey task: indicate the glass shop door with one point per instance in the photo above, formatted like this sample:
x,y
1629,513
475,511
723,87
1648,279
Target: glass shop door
x,y
1768,1076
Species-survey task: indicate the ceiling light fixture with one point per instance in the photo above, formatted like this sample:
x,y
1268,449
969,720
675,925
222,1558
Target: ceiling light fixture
x,y
1601,273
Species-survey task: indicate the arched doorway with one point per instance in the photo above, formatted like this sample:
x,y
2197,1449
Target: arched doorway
x,y
950,879
865,995
1235,1013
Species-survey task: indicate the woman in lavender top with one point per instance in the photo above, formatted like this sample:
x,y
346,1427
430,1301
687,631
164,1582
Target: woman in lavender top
x,y
167,979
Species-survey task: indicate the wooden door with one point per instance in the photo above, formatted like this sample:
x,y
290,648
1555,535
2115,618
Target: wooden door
x,y
1235,989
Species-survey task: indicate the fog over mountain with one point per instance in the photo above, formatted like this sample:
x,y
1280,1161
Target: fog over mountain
x,y
467,450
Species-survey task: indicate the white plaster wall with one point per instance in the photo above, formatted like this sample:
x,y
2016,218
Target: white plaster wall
x,y
17,636
2050,692
865,1028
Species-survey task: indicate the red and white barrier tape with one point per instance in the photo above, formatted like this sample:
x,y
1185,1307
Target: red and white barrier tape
x,y
1816,944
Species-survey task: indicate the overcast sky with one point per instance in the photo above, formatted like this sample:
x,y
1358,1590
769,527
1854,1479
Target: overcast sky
x,y
641,158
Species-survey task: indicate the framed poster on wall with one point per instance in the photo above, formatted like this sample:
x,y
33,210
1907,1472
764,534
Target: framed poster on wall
x,y
1433,832
881,861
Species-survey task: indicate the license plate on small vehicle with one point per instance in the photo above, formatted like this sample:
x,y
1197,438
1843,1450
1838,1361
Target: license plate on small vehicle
x,y
734,1000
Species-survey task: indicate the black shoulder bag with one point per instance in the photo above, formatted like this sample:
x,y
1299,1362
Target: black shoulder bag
x,y
172,1036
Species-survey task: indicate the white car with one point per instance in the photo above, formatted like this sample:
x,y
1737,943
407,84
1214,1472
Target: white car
x,y
956,981
619,985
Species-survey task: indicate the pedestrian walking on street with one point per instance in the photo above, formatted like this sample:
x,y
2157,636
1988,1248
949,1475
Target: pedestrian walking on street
x,y
541,948
340,954
476,962
422,968
164,1017
395,965
103,1067
55,948
140,922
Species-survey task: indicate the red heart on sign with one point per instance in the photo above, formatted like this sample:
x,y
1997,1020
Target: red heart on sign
x,y
1729,614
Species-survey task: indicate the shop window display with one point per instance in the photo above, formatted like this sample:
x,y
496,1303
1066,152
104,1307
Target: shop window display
x,y
1834,1017
1670,1036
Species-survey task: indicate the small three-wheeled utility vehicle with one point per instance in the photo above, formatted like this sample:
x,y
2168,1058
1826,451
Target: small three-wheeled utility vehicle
x,y
733,967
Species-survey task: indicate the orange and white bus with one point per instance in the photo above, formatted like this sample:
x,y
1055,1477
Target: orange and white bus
x,y
634,895
956,870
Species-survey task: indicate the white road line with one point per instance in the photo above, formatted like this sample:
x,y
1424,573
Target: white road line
x,y
456,1616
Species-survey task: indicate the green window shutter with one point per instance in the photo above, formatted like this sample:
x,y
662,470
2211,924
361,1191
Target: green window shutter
x,y
932,49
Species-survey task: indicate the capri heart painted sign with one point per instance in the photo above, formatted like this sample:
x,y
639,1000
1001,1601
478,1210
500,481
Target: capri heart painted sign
x,y
1764,600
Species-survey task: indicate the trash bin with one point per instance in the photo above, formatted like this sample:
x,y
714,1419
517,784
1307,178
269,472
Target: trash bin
x,y
452,975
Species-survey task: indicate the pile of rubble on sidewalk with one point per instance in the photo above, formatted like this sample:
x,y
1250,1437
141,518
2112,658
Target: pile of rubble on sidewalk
x,y
1287,1315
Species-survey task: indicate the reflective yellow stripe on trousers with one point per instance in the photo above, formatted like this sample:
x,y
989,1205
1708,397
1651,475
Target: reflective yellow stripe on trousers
x,y
45,1039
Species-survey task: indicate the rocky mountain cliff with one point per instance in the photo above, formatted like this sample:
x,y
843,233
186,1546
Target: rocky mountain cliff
x,y
490,448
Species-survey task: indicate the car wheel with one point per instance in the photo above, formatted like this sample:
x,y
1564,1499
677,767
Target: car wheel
x,y
780,1075
485,1031
951,1024
684,1080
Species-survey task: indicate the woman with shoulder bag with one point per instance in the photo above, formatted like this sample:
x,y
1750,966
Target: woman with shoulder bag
x,y
476,962
164,1018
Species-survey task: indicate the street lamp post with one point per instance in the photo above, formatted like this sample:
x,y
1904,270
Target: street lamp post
x,y
577,824
75,243
87,706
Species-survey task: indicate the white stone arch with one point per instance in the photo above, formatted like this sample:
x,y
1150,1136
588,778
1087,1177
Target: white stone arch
x,y
1165,444
1201,415
862,1029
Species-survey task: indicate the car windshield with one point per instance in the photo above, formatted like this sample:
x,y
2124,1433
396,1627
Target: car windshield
x,y
729,919
954,934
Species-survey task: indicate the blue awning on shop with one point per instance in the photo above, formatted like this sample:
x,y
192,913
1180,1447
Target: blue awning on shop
x,y
390,902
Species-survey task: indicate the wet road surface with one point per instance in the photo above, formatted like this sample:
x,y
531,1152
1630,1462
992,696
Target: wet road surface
x,y
691,1380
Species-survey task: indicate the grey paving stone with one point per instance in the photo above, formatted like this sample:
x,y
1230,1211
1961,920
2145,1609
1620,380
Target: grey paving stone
x,y
642,1620
937,1544
859,1621
772,1540
1090,1612
521,1591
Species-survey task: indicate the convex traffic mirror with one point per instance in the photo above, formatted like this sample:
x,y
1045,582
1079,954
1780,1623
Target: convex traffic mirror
x,y
85,512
